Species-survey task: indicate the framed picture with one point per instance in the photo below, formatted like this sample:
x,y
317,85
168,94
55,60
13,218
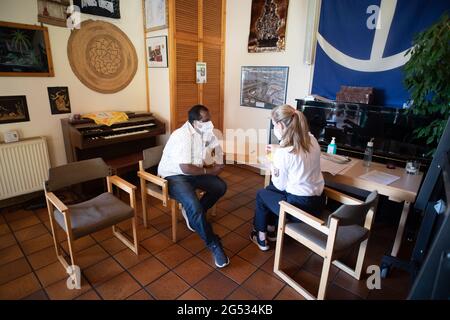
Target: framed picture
x,y
13,109
156,14
25,51
264,87
53,12
268,26
59,99
200,68
157,52
104,8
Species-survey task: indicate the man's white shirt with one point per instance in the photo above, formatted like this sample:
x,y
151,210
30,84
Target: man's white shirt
x,y
186,146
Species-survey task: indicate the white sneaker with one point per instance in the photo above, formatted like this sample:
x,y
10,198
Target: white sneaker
x,y
183,212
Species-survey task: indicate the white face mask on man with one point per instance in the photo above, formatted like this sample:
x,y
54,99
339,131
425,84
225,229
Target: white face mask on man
x,y
204,127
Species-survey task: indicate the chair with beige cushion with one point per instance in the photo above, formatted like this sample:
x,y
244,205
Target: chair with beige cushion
x,y
158,188
81,219
346,228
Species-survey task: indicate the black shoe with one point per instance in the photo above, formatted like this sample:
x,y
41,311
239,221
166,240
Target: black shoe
x,y
262,244
272,236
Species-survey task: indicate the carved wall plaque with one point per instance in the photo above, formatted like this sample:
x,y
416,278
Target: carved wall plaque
x,y
102,56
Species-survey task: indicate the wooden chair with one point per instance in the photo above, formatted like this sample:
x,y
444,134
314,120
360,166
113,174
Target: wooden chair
x,y
346,228
81,219
157,187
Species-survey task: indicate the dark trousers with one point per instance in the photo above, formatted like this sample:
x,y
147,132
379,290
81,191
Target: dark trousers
x,y
182,188
267,207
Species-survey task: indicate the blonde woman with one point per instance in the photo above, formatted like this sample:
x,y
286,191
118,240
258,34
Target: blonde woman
x,y
296,175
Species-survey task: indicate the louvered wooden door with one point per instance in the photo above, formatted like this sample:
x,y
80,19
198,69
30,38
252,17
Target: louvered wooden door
x,y
196,34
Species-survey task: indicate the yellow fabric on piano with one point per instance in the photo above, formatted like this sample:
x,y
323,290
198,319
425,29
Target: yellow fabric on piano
x,y
106,117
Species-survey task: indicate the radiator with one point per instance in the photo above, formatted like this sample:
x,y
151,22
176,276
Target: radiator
x,y
23,167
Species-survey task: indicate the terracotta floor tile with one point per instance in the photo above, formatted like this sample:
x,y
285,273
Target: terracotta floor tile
x,y
252,254
7,240
358,287
140,295
42,214
244,230
59,290
241,294
128,258
315,264
287,293
337,293
52,273
238,269
102,271
287,267
10,254
193,243
216,286
113,245
102,235
231,222
24,223
193,270
31,232
263,285
79,244
18,214
182,231
148,270
42,258
220,230
37,244
173,255
234,242
244,213
14,270
19,288
191,294
296,253
90,256
38,295
168,287
90,295
4,229
143,233
119,287
161,222
309,281
156,243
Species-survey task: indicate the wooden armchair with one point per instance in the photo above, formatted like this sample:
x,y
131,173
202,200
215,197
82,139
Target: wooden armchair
x,y
157,187
346,228
87,217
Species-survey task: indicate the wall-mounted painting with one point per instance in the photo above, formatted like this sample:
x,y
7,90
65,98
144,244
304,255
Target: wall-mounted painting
x,y
13,109
268,26
157,52
264,87
24,51
59,99
53,12
156,14
104,8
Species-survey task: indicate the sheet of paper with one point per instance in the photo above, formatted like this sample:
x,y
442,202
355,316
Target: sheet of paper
x,y
379,177
333,167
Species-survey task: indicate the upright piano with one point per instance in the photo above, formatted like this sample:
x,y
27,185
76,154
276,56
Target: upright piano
x,y
120,144
354,124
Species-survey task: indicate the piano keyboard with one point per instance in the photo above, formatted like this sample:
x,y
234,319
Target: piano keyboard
x,y
112,136
136,126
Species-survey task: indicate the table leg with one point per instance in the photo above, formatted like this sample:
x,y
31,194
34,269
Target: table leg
x,y
400,229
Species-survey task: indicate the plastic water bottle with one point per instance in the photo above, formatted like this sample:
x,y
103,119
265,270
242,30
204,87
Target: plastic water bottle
x,y
368,154
332,146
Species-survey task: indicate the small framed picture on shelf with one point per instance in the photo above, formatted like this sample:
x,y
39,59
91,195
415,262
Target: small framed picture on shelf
x,y
13,109
156,14
157,52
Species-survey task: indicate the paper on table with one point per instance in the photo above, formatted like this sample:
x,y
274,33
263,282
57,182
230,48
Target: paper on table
x,y
333,167
379,177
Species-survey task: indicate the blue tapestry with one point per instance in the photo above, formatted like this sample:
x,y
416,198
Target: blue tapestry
x,y
363,43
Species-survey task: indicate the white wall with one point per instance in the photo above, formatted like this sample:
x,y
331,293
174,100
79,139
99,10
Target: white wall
x,y
82,99
238,26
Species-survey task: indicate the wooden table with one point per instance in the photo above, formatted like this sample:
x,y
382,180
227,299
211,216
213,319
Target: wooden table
x,y
403,190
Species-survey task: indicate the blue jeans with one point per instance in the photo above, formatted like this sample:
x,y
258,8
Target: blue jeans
x,y
182,188
267,207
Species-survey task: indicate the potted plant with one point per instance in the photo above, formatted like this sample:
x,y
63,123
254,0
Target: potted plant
x,y
427,78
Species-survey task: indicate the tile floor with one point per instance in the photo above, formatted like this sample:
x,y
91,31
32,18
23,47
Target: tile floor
x,y
185,270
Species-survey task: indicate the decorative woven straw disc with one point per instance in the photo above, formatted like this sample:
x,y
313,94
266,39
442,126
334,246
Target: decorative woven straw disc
x,y
102,56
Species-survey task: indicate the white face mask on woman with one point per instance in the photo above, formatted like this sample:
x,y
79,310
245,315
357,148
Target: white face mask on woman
x,y
277,133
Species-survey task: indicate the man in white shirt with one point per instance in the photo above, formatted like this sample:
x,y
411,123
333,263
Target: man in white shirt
x,y
183,166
